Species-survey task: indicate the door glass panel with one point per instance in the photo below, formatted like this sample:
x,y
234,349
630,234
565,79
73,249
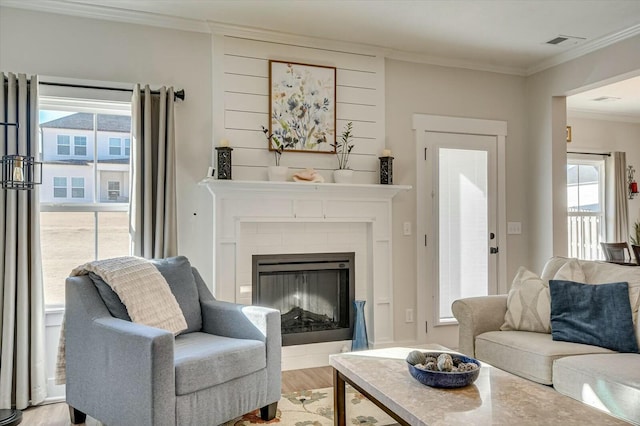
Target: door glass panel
x,y
463,226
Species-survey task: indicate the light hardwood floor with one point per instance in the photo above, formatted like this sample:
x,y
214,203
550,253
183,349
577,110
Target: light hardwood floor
x,y
292,381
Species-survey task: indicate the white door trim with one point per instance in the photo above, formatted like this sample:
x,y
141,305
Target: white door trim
x,y
423,123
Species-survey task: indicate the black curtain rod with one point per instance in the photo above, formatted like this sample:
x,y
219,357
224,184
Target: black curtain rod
x,y
179,94
606,154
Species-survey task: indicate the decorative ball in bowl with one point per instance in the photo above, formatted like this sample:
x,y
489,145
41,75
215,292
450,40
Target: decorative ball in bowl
x,y
442,369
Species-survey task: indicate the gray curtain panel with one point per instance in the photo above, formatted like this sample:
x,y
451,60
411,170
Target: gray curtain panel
x,y
621,202
22,362
152,205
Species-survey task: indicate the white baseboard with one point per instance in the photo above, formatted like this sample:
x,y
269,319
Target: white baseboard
x,y
311,355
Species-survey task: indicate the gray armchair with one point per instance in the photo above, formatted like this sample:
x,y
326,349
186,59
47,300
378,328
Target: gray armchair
x,y
225,365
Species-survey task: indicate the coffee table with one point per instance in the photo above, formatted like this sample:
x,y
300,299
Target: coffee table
x,y
496,397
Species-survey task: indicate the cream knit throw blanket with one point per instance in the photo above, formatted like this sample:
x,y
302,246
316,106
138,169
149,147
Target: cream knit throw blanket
x,y
143,291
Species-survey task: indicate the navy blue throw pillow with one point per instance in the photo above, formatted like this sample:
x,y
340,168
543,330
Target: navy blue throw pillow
x,y
598,315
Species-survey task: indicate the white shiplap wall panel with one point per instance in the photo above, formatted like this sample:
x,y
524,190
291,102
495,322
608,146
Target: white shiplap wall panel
x,y
260,173
243,120
242,97
354,78
356,112
238,83
259,157
363,129
297,53
356,95
235,101
246,139
235,64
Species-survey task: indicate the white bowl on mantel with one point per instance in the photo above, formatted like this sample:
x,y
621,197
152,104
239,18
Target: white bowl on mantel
x,y
343,176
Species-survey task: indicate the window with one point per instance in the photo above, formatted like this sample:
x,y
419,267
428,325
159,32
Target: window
x,y
64,145
77,187
127,147
59,187
114,146
78,223
586,212
80,145
114,190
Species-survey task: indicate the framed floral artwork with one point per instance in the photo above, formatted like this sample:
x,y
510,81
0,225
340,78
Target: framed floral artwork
x,y
302,107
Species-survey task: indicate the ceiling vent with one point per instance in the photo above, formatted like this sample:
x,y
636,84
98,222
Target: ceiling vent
x,y
605,99
565,40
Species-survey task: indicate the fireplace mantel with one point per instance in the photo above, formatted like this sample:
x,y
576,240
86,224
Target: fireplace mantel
x,y
241,206
217,186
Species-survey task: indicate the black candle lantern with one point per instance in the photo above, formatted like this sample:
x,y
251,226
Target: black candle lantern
x,y
224,162
386,170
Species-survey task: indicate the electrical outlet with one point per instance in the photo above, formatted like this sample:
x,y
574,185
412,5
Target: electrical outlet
x,y
408,315
406,228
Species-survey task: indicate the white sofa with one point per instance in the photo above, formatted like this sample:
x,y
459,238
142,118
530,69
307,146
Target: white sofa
x,y
597,376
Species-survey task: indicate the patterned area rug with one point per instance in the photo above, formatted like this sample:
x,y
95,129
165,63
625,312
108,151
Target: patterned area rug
x,y
315,408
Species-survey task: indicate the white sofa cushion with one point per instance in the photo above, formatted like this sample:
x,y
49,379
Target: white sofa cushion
x,y
527,354
604,272
571,271
608,382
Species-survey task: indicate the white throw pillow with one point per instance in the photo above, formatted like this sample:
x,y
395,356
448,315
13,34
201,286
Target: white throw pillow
x,y
528,304
571,271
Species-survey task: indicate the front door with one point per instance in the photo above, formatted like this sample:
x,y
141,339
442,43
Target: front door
x,y
463,224
460,218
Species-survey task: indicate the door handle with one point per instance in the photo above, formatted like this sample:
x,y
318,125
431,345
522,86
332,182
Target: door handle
x,y
493,250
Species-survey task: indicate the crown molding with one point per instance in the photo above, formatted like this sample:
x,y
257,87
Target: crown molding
x,y
70,7
229,30
588,47
452,62
108,13
602,116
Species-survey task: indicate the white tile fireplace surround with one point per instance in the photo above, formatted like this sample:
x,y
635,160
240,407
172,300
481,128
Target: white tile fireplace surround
x,y
291,217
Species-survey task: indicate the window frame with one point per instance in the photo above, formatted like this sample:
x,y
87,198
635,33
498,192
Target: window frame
x,y
94,106
119,147
65,187
587,216
60,144
76,187
77,145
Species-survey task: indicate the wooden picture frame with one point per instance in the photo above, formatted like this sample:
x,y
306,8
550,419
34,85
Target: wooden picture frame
x,y
568,134
302,107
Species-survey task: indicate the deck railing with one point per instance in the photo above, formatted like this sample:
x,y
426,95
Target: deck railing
x,y
584,236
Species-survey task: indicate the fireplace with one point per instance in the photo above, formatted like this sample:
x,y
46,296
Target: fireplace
x,y
314,293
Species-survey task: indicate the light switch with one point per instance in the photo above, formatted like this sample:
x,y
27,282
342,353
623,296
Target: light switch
x,y
406,228
514,228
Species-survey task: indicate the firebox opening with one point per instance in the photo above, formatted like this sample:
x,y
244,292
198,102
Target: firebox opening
x,y
314,293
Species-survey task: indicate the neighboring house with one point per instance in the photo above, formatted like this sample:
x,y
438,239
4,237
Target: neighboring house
x,y
72,171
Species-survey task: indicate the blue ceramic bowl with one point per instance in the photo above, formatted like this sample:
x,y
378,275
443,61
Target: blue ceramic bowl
x,y
445,379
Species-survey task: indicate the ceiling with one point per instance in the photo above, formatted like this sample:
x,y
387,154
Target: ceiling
x,y
497,35
618,101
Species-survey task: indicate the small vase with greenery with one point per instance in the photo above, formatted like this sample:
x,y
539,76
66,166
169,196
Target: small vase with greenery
x,y
277,172
343,149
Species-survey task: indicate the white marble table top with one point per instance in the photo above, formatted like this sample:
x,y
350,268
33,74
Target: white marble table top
x,y
496,397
